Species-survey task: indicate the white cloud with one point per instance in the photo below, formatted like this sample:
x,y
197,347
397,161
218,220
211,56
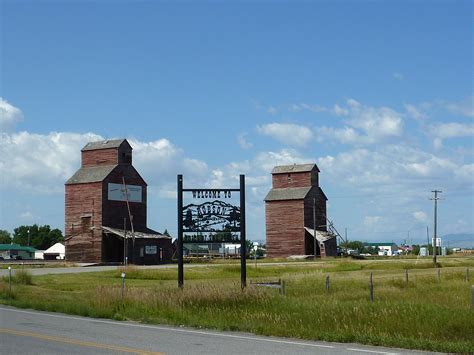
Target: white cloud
x,y
364,124
464,107
243,141
287,133
40,162
415,112
371,220
453,130
307,107
420,216
272,110
43,163
9,115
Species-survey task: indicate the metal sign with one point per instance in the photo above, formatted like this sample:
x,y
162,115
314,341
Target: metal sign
x,y
211,218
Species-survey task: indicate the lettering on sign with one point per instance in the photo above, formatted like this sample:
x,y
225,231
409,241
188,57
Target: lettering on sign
x,y
116,192
212,193
150,249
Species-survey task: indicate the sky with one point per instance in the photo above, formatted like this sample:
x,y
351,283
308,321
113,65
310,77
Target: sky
x,y
378,94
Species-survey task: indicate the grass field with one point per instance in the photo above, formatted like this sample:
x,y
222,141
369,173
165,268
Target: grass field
x,y
425,313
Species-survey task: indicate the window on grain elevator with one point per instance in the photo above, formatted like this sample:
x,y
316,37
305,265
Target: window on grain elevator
x,y
290,180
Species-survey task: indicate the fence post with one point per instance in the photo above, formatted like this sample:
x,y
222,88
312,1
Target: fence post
x,y
123,284
472,296
467,275
282,287
439,275
10,278
327,283
371,289
406,276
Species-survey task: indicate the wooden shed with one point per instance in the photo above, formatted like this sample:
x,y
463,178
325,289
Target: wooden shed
x,y
104,198
289,209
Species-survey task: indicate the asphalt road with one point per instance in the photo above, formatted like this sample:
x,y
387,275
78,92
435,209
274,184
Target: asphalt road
x,y
33,332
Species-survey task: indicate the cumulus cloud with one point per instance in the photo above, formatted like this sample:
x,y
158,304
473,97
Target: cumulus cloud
x,y
288,133
363,124
242,140
420,216
464,107
415,112
9,115
40,162
371,220
453,130
43,163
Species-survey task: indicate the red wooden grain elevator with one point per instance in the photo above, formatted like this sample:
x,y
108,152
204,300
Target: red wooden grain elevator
x,y
289,213
102,199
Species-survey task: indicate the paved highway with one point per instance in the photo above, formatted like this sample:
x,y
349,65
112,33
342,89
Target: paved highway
x,y
33,332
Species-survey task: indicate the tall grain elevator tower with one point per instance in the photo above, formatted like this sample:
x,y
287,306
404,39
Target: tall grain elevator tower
x,y
106,209
289,206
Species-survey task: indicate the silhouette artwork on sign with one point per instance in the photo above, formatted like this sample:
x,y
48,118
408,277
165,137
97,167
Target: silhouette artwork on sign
x,y
211,216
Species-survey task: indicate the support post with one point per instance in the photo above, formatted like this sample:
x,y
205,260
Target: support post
x,y
327,283
371,288
439,275
180,232
10,279
123,285
467,275
243,249
406,276
314,226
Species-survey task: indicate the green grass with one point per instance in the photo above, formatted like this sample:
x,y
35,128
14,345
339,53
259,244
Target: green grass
x,y
421,314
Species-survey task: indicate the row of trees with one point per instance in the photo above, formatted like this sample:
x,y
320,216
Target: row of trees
x,y
39,237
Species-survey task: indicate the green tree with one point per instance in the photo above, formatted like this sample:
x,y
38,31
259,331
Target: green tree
x,y
40,237
5,237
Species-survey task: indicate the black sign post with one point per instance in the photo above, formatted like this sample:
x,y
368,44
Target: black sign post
x,y
214,220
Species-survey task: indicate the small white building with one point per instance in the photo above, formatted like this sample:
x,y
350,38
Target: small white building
x,y
55,252
385,249
39,254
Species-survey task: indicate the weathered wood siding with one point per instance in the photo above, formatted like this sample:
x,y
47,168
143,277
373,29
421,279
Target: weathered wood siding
x,y
285,228
83,210
295,179
100,157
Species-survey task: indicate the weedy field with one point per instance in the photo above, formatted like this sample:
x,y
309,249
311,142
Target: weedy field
x,y
425,308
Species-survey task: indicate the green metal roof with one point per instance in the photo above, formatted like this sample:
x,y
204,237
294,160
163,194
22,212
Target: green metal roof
x,y
4,247
91,174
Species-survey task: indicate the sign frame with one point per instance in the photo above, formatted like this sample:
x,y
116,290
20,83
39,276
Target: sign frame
x,y
212,194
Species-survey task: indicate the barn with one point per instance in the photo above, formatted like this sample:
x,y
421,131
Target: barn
x,y
106,210
289,206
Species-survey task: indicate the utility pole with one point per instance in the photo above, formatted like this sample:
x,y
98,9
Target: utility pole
x,y
314,226
427,240
435,227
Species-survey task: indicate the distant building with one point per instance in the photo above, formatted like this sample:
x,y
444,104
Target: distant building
x,y
16,252
387,249
100,198
289,206
55,252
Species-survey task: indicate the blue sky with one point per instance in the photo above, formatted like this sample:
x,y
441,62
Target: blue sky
x,y
378,94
